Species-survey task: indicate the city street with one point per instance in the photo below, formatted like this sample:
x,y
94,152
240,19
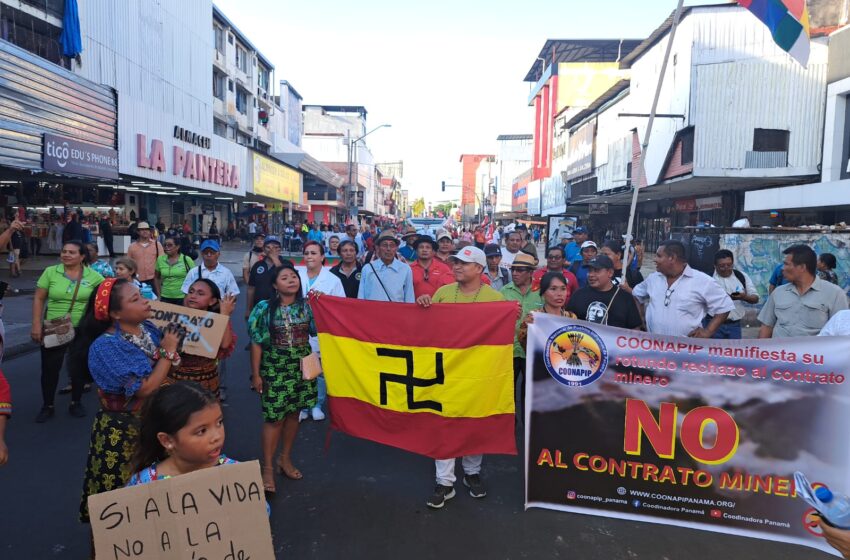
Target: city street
x,y
357,499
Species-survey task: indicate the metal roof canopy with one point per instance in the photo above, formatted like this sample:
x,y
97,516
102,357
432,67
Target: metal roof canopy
x,y
692,187
556,51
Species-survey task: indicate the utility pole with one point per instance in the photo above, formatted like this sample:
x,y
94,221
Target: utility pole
x,y
352,185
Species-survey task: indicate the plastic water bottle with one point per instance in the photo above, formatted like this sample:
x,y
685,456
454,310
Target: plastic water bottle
x,y
835,508
147,291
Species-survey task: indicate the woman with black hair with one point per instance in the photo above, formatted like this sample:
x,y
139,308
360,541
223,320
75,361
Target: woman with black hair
x,y
204,295
61,293
128,360
826,268
280,330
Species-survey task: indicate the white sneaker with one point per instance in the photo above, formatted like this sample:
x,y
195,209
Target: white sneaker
x,y
317,414
303,415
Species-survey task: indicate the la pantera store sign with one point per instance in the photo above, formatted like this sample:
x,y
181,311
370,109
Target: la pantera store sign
x,y
186,163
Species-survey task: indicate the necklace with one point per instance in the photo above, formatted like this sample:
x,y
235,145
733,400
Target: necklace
x,y
477,293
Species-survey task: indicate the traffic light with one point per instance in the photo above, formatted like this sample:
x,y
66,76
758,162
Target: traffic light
x,y
444,186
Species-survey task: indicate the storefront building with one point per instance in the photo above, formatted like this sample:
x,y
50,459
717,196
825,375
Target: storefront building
x,y
58,142
279,189
828,201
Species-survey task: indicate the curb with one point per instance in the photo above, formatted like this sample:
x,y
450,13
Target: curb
x,y
19,350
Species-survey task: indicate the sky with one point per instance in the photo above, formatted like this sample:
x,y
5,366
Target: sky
x,y
446,75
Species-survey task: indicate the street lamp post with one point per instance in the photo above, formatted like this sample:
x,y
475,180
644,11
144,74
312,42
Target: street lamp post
x,y
352,186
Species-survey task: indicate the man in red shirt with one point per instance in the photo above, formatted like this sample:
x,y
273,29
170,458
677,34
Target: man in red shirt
x,y
429,273
555,263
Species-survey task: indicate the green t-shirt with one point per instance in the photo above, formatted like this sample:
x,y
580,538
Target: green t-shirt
x,y
173,275
60,292
529,301
450,293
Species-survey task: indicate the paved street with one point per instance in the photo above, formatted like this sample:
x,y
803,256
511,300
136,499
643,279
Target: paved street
x,y
357,499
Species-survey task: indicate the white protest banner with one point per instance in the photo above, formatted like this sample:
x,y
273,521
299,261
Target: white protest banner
x,y
689,432
204,328
217,513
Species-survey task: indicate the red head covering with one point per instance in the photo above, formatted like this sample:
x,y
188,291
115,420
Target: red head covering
x,y
101,300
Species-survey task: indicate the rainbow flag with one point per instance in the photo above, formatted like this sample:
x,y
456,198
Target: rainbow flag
x,y
788,21
436,381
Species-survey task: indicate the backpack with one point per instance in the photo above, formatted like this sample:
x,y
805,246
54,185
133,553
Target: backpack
x,y
740,276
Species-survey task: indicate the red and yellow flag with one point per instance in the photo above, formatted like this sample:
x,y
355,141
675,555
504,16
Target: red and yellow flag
x,y
436,381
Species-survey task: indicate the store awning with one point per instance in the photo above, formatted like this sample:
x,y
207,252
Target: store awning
x,y
310,165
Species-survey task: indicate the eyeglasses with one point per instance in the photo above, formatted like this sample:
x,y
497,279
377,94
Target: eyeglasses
x,y
667,296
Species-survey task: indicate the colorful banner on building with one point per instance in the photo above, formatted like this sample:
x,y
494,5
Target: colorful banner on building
x,y
689,432
435,381
788,22
275,180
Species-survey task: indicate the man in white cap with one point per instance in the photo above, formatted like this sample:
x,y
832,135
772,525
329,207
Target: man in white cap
x,y
145,251
387,278
588,253
445,245
467,266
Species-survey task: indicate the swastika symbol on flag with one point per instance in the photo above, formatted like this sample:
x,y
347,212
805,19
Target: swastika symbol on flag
x,y
409,381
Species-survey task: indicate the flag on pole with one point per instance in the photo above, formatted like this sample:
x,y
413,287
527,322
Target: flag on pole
x,y
788,21
436,381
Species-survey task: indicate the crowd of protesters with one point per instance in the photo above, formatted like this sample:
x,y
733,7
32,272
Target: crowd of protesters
x,y
146,387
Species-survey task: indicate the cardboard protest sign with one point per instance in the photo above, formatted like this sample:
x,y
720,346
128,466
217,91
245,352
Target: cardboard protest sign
x,y
700,433
204,328
213,514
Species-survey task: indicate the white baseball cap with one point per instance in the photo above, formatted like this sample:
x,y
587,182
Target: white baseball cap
x,y
587,244
471,255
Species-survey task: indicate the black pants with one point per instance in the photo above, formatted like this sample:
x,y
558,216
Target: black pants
x,y
51,365
107,241
519,377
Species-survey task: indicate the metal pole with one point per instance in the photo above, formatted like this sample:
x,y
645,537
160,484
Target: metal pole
x,y
641,170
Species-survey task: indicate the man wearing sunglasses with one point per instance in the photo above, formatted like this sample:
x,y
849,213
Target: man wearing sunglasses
x,y
677,297
429,273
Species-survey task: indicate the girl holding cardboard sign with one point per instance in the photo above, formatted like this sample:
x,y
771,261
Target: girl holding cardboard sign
x,y
205,295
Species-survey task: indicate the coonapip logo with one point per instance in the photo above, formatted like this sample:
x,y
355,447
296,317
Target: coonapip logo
x,y
575,356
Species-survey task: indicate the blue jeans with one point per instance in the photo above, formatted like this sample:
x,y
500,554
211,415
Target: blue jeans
x,y
728,331
323,388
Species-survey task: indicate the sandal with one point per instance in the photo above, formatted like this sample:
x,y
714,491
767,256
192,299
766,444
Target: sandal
x,y
291,473
268,480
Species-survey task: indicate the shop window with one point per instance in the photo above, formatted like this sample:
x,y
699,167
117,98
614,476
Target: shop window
x,y
687,139
241,101
770,140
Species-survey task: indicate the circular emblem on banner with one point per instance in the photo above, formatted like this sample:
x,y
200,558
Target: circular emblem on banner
x,y
575,356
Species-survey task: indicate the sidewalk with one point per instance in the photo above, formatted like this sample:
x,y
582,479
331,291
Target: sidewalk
x,y
17,307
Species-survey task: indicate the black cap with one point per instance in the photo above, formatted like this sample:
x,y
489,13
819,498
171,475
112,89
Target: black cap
x,y
600,261
492,249
425,239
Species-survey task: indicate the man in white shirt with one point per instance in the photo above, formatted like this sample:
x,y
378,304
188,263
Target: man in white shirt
x,y
739,287
513,243
212,269
677,297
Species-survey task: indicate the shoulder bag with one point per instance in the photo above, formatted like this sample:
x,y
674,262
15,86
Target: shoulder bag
x,y
60,331
380,281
